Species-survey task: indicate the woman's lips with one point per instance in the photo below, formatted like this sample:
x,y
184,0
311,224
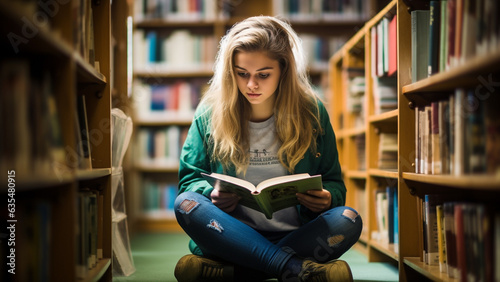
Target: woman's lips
x,y
253,95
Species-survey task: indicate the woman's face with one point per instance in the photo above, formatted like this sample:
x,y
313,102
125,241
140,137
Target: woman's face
x,y
257,77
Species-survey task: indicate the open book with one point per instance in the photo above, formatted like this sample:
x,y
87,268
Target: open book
x,y
270,195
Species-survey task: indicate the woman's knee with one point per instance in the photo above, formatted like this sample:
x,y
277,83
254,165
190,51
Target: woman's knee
x,y
187,201
345,218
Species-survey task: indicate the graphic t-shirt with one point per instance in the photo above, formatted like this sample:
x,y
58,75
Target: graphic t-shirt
x,y
264,164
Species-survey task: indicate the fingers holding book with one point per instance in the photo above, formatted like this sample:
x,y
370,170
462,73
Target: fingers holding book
x,y
316,201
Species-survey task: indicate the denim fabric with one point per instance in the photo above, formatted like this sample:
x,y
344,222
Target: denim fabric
x,y
220,236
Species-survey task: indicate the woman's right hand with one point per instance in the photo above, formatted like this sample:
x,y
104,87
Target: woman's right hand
x,y
224,200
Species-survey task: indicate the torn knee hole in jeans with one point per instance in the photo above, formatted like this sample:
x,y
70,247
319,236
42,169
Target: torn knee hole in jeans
x,y
349,214
334,240
214,224
188,206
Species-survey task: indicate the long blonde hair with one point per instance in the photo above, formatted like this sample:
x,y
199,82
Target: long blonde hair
x,y
295,110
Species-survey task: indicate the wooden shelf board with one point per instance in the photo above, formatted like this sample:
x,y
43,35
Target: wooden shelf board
x,y
161,23
35,182
385,248
463,75
386,173
157,167
88,73
482,181
98,271
431,272
356,174
352,132
159,73
389,9
44,42
391,116
88,174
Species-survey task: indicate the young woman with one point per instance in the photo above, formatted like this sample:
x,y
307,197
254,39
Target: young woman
x,y
259,119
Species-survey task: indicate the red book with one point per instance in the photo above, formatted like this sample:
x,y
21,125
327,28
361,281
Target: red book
x,y
393,47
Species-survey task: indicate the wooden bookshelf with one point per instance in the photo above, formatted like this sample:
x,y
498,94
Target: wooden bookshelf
x,y
478,188
49,185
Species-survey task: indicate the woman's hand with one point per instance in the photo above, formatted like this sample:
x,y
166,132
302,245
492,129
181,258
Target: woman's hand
x,y
316,201
224,200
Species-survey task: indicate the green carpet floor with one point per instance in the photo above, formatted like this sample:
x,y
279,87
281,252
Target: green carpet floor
x,y
155,256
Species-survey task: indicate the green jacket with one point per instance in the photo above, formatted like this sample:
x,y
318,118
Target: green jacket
x,y
196,152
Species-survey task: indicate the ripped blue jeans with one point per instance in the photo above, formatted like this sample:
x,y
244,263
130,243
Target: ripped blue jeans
x,y
221,236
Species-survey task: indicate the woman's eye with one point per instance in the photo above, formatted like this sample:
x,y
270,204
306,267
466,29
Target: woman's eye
x,y
243,74
264,75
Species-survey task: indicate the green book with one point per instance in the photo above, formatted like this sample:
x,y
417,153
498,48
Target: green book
x,y
270,195
419,44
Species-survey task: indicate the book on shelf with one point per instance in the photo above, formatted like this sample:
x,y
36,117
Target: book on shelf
x,y
89,234
419,44
175,10
179,52
313,11
160,145
456,135
388,151
392,47
441,238
434,36
173,101
386,213
158,196
385,94
431,229
269,195
84,133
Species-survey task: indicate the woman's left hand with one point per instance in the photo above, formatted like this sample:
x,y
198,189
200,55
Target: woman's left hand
x,y
316,201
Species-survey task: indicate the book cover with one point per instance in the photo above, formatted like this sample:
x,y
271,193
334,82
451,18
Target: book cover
x,y
443,36
450,239
441,238
270,195
434,36
461,242
393,47
419,44
435,137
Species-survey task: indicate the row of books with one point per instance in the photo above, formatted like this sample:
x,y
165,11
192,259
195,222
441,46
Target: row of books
x,y
29,119
326,10
89,231
160,145
451,32
383,48
360,143
355,100
458,135
175,10
84,28
158,196
462,238
386,213
388,151
179,51
173,101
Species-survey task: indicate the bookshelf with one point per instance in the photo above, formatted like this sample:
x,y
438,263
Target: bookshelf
x,y
313,23
56,56
471,191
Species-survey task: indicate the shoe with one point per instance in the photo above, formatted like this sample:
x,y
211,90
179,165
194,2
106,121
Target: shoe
x,y
193,268
336,270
